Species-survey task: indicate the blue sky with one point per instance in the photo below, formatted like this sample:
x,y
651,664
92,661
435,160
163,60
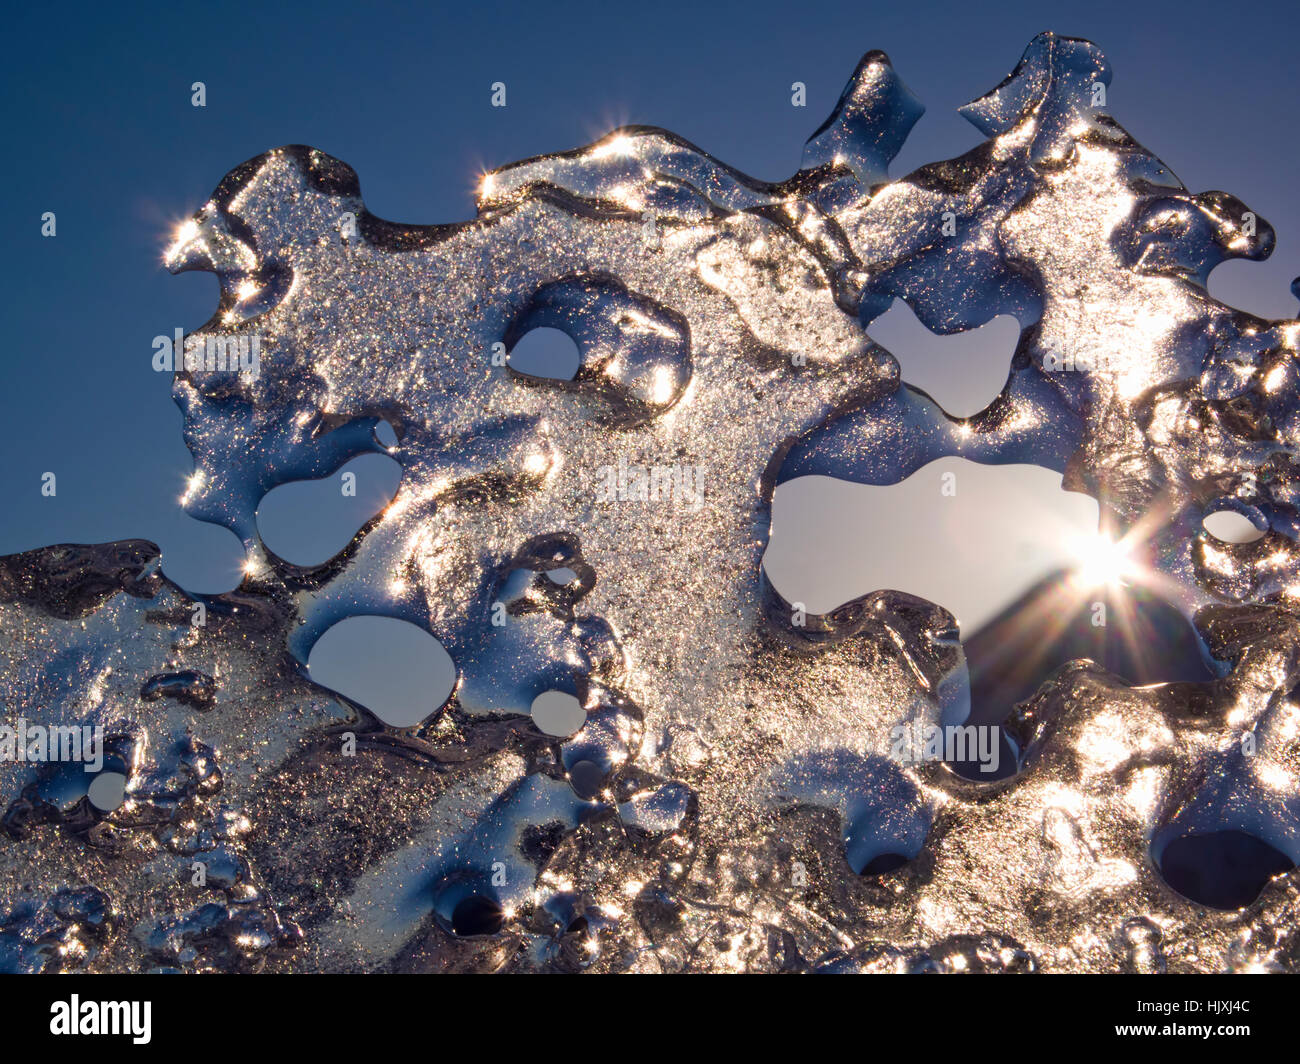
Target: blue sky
x,y
102,132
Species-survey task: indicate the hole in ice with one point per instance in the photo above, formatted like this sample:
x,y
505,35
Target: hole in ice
x,y
399,672
1221,869
466,905
307,522
547,353
1229,526
385,434
558,713
963,372
882,864
1001,532
1017,560
107,791
587,778
477,915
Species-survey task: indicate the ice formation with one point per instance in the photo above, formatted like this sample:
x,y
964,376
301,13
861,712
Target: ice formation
x,y
731,798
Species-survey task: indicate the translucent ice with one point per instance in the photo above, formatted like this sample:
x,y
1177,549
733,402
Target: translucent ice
x,y
732,798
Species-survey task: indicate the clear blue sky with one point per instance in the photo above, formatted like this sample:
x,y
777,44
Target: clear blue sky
x,y
101,131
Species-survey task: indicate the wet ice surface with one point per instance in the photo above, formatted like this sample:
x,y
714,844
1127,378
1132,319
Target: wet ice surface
x,y
733,798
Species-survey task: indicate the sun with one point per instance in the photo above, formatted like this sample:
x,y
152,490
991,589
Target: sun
x,y
1102,563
